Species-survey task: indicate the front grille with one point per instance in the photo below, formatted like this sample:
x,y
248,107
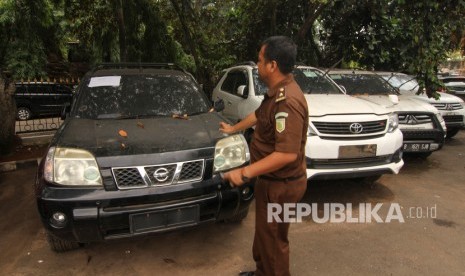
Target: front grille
x,y
158,175
351,128
448,106
453,118
349,162
415,119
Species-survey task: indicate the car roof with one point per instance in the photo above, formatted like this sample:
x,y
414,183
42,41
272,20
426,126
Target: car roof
x,y
134,71
351,72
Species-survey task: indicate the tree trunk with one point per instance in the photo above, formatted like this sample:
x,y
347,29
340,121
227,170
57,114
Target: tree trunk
x,y
7,113
187,34
122,31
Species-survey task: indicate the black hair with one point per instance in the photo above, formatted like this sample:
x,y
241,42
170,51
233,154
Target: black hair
x,y
282,50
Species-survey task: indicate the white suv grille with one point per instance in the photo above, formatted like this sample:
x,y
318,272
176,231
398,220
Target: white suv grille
x,y
350,128
448,106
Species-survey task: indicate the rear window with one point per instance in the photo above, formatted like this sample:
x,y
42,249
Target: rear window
x,y
363,84
129,96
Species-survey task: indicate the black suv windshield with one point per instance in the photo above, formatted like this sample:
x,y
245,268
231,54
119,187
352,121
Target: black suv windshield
x,y
363,84
140,95
311,81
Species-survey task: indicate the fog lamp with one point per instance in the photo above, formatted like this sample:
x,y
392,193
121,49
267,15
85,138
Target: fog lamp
x,y
58,220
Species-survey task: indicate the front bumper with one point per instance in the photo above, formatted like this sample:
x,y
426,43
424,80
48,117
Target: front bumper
x,y
324,162
93,214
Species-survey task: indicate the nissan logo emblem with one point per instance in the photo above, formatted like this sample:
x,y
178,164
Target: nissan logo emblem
x,y
161,174
356,128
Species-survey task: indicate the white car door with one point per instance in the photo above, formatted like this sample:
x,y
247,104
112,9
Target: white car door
x,y
228,93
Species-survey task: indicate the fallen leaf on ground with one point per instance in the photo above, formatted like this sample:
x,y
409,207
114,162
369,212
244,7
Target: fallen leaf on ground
x,y
123,133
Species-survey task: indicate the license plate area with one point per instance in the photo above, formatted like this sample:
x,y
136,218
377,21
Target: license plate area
x,y
165,219
416,147
357,151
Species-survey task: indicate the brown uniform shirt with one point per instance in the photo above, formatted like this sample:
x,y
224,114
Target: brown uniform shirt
x,y
282,125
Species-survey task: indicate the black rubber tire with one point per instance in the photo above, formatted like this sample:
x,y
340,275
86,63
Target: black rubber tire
x,y
368,179
23,113
422,155
59,245
452,132
237,218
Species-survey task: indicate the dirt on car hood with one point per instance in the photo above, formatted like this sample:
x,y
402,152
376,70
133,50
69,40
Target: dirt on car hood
x,y
141,136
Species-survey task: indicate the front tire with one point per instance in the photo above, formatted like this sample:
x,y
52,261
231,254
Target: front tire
x,y
452,132
23,113
59,245
237,218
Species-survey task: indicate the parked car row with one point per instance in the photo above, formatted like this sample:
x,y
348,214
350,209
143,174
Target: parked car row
x,y
359,125
140,151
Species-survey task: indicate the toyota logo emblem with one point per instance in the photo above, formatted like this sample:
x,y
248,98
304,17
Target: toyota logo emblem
x,y
356,128
161,174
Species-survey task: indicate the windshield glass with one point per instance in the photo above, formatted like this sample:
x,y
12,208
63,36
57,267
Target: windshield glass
x,y
363,84
311,81
316,82
403,82
140,96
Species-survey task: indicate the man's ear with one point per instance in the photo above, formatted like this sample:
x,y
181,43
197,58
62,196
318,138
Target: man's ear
x,y
274,66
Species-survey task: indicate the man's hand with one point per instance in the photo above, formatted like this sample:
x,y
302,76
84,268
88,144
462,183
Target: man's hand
x,y
226,128
234,177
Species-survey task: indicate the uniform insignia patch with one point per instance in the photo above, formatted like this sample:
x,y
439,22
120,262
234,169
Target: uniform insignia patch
x,y
281,95
281,121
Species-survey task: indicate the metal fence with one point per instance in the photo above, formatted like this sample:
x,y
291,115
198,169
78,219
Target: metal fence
x,y
40,103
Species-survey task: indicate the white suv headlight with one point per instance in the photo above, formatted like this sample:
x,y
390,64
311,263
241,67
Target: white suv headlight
x,y
393,122
71,167
230,152
440,118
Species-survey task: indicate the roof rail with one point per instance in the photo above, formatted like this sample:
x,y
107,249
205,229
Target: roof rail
x,y
251,63
140,65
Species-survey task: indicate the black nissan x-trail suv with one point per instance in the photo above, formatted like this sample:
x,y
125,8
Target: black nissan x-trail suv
x,y
139,152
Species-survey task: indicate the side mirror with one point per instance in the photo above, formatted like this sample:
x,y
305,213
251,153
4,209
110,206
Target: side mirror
x,y
65,111
343,89
218,105
394,99
241,90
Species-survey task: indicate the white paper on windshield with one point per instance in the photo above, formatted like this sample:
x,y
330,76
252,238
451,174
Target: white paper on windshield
x,y
105,81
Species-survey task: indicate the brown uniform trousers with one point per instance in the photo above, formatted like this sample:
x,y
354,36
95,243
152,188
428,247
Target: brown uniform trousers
x,y
271,245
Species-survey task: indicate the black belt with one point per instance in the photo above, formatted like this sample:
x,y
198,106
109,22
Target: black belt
x,y
286,179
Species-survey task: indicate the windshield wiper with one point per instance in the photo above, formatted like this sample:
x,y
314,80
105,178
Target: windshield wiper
x,y
119,116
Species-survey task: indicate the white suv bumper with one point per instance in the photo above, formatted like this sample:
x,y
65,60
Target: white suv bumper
x,y
324,160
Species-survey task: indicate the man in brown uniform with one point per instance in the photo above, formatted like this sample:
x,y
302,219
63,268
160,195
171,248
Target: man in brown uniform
x,y
278,153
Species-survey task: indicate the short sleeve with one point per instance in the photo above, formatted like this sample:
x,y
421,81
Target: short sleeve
x,y
289,119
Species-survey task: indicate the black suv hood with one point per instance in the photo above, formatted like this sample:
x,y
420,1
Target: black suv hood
x,y
144,136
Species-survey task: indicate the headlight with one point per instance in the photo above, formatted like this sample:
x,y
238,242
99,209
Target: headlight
x,y
71,167
463,104
440,118
230,152
393,122
311,131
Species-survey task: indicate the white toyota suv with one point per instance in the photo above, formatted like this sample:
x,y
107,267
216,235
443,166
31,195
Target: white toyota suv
x,y
421,124
451,107
347,137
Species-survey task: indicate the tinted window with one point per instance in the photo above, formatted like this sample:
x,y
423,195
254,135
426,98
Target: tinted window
x,y
403,82
233,80
363,84
142,95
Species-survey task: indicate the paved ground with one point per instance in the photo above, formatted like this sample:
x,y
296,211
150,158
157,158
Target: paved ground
x,y
432,244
